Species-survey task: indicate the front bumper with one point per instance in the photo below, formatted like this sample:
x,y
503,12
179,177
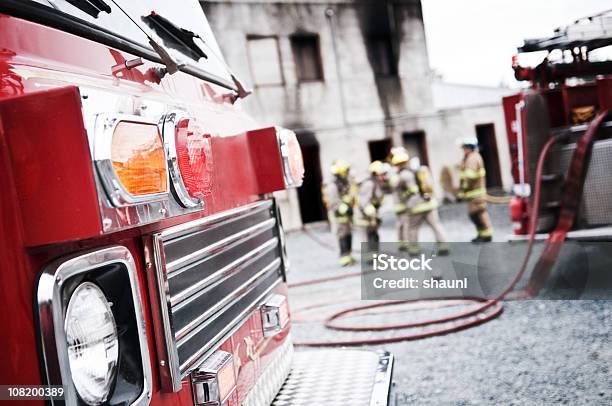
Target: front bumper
x,y
337,377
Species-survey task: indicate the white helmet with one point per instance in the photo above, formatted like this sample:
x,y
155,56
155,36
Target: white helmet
x,y
471,142
414,163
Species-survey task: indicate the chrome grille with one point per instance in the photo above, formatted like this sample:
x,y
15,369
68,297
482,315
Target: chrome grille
x,y
210,274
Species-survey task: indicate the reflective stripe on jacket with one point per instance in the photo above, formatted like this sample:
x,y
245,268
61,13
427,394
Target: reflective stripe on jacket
x,y
472,176
340,199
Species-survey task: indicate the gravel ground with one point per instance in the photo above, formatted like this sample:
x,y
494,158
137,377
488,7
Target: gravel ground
x,y
538,352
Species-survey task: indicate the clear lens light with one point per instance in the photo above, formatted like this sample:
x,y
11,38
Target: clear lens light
x,y
93,345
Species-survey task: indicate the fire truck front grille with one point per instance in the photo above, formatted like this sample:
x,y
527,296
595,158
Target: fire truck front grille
x,y
210,274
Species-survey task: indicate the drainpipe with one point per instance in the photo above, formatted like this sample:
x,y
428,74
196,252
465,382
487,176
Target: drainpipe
x,y
330,14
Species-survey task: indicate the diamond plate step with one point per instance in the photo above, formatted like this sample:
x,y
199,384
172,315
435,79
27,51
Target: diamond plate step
x,y
337,377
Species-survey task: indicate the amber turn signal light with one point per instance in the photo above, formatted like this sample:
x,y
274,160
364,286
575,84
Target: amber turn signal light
x,y
138,159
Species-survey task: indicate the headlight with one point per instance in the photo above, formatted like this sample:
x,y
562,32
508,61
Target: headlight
x,y
84,300
93,345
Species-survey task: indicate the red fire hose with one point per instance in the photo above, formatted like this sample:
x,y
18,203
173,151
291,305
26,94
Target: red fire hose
x,y
488,308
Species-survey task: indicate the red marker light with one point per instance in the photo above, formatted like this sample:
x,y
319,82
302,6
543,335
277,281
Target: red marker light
x,y
189,159
194,154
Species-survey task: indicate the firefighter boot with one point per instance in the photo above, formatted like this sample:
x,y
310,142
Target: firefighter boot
x,y
443,249
484,232
414,249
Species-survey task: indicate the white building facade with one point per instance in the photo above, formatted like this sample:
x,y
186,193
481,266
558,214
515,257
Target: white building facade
x,y
352,79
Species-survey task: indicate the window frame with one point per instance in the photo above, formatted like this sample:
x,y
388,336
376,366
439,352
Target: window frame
x,y
318,57
256,37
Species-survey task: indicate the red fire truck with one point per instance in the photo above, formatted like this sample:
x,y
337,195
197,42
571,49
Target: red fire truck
x,y
569,90
142,251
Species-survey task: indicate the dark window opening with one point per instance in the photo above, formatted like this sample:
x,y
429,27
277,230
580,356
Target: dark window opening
x,y
307,57
487,145
379,149
381,55
416,145
309,194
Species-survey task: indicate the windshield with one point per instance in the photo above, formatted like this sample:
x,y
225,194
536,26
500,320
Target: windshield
x,y
184,14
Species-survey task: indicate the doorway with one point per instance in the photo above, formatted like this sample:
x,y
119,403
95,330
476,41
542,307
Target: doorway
x,y
487,144
416,145
309,194
379,149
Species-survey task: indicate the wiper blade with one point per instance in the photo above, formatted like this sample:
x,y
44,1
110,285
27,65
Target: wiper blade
x,y
91,7
174,36
171,66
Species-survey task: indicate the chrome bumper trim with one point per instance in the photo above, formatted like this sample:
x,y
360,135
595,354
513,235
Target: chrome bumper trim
x,y
382,381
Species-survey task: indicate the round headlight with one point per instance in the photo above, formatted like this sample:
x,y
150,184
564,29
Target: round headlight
x,y
93,345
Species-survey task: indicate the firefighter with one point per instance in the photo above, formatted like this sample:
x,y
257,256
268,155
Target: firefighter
x,y
369,200
415,204
472,188
339,196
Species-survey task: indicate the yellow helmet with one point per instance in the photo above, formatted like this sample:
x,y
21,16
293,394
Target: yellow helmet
x,y
340,168
377,168
399,156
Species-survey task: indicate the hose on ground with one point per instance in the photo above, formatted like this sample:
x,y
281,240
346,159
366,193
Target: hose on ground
x,y
488,309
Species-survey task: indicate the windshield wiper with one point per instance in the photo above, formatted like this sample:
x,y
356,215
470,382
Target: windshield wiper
x,y
175,37
171,66
91,7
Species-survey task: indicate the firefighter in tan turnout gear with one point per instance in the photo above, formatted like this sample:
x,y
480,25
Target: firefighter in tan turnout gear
x,y
369,200
472,188
340,199
414,202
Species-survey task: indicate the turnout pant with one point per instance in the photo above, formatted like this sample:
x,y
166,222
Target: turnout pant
x,y
371,236
409,225
344,234
477,210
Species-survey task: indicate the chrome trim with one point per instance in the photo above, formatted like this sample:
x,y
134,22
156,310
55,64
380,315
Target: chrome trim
x,y
274,315
518,110
105,126
163,292
188,295
173,268
124,102
207,374
236,213
170,340
197,324
231,328
51,316
168,124
382,379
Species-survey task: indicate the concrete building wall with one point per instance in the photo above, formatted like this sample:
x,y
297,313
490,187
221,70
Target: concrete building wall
x,y
444,127
354,102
